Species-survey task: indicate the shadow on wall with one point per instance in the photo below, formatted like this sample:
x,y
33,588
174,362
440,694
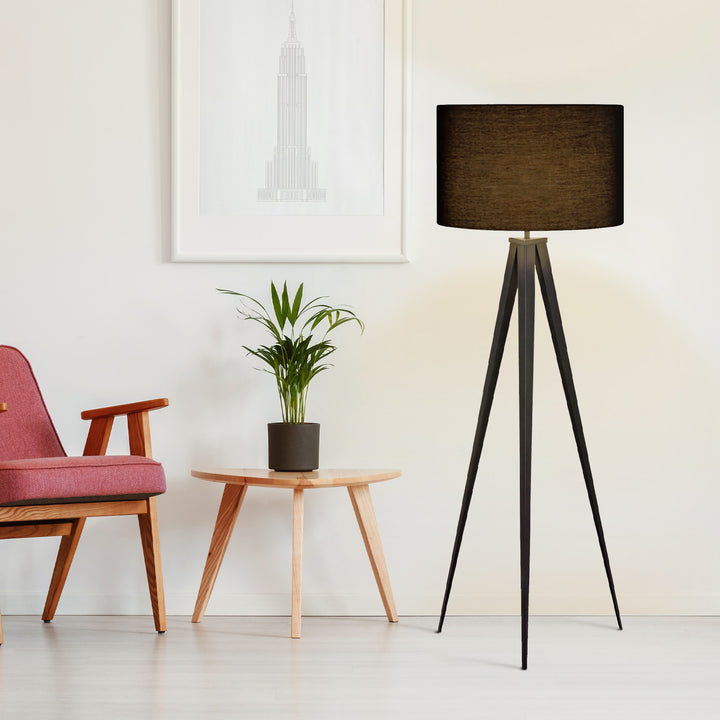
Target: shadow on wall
x,y
635,366
643,383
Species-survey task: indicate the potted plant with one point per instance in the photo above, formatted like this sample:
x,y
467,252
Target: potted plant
x,y
298,353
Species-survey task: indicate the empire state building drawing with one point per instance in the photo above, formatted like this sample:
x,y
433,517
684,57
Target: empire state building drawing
x,y
291,176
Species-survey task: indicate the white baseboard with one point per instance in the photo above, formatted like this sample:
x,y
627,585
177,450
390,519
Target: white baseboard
x,y
360,604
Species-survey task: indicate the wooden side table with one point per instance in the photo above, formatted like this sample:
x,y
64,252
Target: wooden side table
x,y
236,485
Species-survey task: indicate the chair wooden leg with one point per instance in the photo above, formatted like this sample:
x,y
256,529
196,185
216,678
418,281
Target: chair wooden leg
x,y
150,537
65,556
365,514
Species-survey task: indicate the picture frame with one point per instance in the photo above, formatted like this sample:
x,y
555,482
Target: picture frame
x,y
288,141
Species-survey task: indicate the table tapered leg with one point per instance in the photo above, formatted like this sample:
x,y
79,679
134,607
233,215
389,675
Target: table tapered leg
x,y
526,330
227,515
297,542
502,323
547,287
365,514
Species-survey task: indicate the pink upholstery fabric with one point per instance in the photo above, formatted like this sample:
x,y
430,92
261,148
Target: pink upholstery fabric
x,y
72,479
33,464
26,430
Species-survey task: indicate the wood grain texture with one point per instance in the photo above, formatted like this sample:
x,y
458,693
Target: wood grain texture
x,y
139,434
230,505
124,409
66,553
306,480
37,520
150,536
68,511
98,436
51,529
365,514
297,543
236,484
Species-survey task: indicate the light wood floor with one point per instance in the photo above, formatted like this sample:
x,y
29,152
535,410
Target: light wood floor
x,y
346,668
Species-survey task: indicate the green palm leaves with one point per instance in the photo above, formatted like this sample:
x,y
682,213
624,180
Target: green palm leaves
x,y
296,355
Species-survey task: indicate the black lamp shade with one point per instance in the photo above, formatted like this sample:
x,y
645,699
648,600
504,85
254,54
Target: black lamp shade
x,y
530,167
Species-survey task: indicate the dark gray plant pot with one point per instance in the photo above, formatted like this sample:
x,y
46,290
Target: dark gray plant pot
x,y
293,447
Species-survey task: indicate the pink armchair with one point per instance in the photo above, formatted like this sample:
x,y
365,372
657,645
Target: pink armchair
x,y
45,493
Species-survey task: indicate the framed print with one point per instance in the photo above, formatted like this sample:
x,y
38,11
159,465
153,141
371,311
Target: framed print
x,y
288,142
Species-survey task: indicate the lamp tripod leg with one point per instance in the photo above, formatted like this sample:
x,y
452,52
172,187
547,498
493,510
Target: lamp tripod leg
x,y
547,287
502,323
526,336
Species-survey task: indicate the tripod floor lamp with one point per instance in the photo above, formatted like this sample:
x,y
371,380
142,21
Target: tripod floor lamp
x,y
529,167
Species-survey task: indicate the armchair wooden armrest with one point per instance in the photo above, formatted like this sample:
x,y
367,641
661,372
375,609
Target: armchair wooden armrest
x,y
114,410
3,407
138,426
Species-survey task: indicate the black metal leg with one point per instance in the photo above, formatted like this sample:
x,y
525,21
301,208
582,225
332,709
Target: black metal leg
x,y
502,323
523,259
547,287
526,328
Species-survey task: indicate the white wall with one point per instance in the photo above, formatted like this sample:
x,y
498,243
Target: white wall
x,y
87,291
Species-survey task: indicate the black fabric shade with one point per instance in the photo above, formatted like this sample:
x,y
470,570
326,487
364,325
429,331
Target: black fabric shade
x,y
530,167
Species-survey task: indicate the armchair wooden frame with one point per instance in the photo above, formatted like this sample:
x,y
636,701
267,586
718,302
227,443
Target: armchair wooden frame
x,y
68,519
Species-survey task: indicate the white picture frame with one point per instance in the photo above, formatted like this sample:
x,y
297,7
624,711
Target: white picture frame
x,y
228,77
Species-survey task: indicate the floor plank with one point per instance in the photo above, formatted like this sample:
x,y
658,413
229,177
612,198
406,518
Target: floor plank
x,y
346,668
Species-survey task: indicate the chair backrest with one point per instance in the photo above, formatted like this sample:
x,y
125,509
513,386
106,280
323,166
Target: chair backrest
x,y
26,430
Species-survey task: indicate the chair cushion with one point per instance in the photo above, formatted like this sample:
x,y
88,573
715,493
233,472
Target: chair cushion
x,y
79,479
